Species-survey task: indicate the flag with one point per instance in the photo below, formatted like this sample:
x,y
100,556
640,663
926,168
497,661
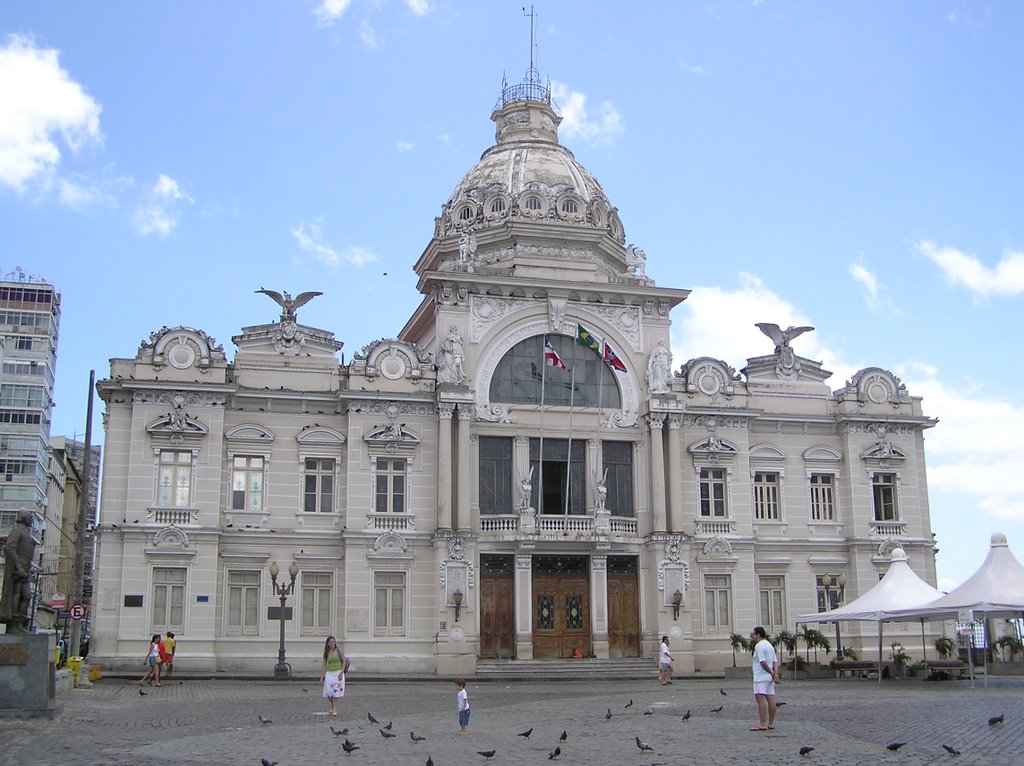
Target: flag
x,y
612,359
584,338
551,356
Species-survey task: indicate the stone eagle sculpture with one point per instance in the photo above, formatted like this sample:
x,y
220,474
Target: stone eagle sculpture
x,y
287,303
780,337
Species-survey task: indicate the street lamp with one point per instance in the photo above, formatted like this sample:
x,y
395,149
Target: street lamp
x,y
457,600
826,583
282,670
677,599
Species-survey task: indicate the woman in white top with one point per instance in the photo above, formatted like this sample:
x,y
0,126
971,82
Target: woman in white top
x,y
153,662
665,663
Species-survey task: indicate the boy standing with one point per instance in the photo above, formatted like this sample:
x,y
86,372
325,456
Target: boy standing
x,y
463,705
167,653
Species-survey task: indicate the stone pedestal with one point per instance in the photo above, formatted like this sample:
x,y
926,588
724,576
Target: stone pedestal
x,y
27,688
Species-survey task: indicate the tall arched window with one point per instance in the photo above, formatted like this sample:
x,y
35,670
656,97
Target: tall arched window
x,y
586,381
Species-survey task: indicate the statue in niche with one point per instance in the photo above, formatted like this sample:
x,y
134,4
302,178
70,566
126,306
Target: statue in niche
x,y
601,492
659,369
526,490
449,361
17,595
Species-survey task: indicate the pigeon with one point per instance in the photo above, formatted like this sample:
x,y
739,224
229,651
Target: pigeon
x,y
306,690
806,750
416,737
649,712
430,761
348,747
263,720
628,704
892,747
951,750
686,717
996,719
142,693
388,727
488,754
608,715
717,709
337,733
554,753
387,734
564,737
643,745
779,704
722,692
371,718
525,734
267,762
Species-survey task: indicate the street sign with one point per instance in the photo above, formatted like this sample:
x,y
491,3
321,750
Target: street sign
x,y
77,611
274,613
59,601
63,614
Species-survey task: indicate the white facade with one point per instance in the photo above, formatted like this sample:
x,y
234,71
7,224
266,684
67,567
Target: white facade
x,y
565,506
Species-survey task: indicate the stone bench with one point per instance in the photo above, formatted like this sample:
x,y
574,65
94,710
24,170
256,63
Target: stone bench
x,y
949,666
859,667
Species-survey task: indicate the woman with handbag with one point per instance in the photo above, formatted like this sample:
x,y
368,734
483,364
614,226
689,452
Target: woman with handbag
x,y
332,673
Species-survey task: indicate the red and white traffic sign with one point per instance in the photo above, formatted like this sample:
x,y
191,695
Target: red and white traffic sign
x,y
77,611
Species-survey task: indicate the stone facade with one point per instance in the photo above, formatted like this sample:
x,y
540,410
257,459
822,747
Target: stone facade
x,y
522,473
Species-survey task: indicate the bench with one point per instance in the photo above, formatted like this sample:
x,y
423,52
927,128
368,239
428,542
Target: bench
x,y
859,667
950,666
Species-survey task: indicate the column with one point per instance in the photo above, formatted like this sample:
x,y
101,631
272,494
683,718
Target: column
x,y
599,605
444,464
674,478
463,470
524,607
656,422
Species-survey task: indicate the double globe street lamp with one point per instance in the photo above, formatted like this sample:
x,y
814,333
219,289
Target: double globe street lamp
x,y
282,670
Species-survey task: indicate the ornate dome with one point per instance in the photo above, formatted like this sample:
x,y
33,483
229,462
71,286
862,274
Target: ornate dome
x,y
527,174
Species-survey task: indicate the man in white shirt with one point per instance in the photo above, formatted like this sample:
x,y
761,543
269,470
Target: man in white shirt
x,y
766,675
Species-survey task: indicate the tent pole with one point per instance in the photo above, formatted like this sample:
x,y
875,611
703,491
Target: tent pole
x,y
880,623
924,649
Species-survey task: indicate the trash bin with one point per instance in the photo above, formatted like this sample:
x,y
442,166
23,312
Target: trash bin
x,y
75,663
56,656
94,673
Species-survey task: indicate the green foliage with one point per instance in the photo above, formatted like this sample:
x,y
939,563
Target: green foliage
x,y
739,641
1011,644
945,646
848,653
899,656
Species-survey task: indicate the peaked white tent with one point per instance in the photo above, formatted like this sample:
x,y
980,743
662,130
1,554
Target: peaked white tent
x,y
995,590
899,588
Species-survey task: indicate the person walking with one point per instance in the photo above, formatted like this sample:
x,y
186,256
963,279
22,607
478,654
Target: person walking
x,y
665,663
462,701
332,673
766,675
153,662
167,648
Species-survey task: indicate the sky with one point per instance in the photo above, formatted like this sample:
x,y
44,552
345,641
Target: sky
x,y
855,167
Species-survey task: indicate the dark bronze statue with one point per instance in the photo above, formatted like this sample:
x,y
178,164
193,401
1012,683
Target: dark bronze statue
x,y
17,593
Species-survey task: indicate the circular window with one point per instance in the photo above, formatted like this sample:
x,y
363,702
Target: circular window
x,y
393,367
181,356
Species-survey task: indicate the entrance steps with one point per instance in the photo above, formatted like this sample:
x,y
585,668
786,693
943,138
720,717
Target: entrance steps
x,y
620,669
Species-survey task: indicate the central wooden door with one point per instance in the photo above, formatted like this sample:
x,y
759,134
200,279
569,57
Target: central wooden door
x,y
497,607
623,607
561,606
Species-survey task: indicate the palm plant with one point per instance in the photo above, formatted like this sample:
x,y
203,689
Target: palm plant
x,y
809,636
945,646
788,640
738,641
821,642
1011,643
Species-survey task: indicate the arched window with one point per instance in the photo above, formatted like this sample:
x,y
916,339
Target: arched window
x,y
534,203
466,213
587,381
569,206
498,206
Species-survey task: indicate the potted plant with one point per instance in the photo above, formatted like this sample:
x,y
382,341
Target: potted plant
x,y
900,658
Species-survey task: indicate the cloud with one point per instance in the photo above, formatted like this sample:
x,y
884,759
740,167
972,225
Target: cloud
x,y
418,7
405,146
576,123
81,195
965,269
42,106
329,11
368,35
691,68
159,211
444,138
310,237
875,294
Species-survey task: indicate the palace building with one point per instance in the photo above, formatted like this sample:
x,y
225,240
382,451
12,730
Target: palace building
x,y
523,473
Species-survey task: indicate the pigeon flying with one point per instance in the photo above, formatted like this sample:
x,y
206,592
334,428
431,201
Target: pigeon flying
x,y
643,745
554,753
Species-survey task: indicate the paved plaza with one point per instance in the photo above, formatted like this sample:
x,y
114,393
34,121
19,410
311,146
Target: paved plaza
x,y
216,722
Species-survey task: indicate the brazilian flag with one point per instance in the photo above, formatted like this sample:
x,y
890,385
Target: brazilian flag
x,y
584,338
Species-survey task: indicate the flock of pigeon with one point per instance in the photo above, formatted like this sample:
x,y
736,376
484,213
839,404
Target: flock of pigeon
x,y
385,732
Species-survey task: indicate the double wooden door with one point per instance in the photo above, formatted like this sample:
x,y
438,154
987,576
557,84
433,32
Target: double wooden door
x,y
561,606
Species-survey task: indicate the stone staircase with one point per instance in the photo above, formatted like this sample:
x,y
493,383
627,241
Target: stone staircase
x,y
623,669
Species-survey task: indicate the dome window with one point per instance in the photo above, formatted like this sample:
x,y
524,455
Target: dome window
x,y
466,213
498,206
534,203
570,206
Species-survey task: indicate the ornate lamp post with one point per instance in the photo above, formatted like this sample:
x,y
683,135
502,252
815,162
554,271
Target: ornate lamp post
x,y
677,599
457,597
840,589
282,670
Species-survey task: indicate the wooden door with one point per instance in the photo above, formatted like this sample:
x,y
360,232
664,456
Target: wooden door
x,y
623,608
561,607
497,608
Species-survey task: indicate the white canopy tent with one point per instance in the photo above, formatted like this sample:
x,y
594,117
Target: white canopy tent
x,y
900,588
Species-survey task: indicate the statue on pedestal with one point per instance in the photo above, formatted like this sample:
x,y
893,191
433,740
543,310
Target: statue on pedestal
x,y
17,593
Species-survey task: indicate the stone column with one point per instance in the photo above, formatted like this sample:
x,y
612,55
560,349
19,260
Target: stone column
x,y
599,605
674,478
656,422
463,468
524,607
444,464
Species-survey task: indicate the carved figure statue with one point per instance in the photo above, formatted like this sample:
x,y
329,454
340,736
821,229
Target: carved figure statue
x,y
601,494
287,303
637,260
526,490
659,369
449,361
467,246
17,593
780,337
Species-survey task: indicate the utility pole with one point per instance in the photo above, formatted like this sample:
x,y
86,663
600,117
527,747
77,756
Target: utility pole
x,y
84,523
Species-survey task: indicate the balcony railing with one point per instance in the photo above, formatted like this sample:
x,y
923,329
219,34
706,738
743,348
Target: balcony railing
x,y
888,528
179,517
622,526
391,521
712,527
505,523
565,523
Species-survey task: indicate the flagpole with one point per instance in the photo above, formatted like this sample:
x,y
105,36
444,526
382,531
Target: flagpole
x,y
568,457
540,456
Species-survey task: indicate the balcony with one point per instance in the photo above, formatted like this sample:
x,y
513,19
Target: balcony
x,y
397,522
888,528
714,527
179,517
561,524
625,527
499,523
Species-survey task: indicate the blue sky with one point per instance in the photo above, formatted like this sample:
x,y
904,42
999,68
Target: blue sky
x,y
852,166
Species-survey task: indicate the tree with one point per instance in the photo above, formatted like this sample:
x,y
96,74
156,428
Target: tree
x,y
788,640
809,636
738,641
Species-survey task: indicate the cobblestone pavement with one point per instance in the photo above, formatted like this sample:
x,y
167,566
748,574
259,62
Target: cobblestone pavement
x,y
847,722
